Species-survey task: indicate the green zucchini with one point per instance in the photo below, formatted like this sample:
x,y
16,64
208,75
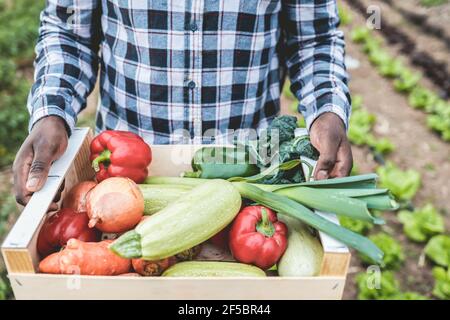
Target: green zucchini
x,y
304,253
159,196
192,219
213,269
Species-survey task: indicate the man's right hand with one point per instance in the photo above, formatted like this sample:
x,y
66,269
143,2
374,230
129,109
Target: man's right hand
x,y
46,143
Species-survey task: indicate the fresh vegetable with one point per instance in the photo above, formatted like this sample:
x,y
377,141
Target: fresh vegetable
x,y
222,238
329,201
438,250
120,154
402,184
115,205
296,210
213,269
421,224
222,163
76,198
372,286
62,226
152,268
304,253
187,222
441,283
257,237
358,226
85,258
157,197
392,249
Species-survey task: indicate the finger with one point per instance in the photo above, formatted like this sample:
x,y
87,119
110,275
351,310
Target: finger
x,y
53,207
344,162
327,159
43,157
21,168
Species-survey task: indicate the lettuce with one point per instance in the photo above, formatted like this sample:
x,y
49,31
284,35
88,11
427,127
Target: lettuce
x,y
441,283
438,250
421,224
402,184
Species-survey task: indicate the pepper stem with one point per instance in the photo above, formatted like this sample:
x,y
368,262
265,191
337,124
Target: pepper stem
x,y
265,226
104,156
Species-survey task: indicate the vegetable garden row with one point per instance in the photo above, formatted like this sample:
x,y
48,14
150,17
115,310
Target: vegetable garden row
x,y
426,224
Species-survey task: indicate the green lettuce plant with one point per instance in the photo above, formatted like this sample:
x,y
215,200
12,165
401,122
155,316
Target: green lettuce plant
x,y
422,223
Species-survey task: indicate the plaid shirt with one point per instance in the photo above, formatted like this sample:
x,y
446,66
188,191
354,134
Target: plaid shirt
x,y
193,65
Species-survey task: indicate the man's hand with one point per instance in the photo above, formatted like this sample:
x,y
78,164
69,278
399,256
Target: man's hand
x,y
328,135
46,143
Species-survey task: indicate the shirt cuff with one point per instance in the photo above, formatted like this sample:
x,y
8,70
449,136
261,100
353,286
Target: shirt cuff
x,y
45,111
329,103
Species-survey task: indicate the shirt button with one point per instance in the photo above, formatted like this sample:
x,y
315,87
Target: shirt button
x,y
193,27
191,85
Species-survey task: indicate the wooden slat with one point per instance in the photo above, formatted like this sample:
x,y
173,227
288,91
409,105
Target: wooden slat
x,y
18,260
335,264
43,286
21,240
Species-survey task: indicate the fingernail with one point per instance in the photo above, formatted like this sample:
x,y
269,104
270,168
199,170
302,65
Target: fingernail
x,y
322,174
32,183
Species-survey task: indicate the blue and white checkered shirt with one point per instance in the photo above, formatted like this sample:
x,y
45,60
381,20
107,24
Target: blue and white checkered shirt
x,y
193,65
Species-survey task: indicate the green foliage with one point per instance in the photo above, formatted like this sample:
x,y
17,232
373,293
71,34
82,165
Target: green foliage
x,y
345,16
441,283
358,226
287,93
438,250
402,184
408,295
432,3
393,251
360,126
19,21
284,126
380,145
391,68
421,98
421,224
5,288
368,289
388,287
360,34
406,81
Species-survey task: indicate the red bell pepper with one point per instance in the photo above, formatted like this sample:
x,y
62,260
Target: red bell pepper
x,y
62,226
257,237
120,154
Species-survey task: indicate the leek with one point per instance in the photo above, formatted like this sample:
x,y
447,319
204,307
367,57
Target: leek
x,y
296,210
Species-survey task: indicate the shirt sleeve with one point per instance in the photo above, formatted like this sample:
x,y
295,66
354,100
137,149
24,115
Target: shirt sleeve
x,y
315,58
66,60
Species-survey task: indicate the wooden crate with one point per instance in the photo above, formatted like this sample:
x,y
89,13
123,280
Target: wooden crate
x,y
19,249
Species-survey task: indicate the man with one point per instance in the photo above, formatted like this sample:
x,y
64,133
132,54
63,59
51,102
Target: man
x,y
185,65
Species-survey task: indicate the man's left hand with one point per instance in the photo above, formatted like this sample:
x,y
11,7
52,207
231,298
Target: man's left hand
x,y
328,136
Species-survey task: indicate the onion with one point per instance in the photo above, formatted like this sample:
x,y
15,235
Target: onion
x,y
76,198
115,205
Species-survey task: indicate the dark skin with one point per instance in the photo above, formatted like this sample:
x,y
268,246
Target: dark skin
x,y
48,141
